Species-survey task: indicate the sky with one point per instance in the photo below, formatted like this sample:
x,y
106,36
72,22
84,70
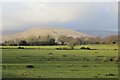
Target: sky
x,y
70,15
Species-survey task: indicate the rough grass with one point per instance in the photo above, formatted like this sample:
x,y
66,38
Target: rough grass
x,y
52,63
54,47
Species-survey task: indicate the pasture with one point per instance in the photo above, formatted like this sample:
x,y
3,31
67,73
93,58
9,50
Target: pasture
x,y
48,62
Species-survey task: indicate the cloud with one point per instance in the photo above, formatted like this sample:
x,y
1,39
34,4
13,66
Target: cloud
x,y
17,14
44,12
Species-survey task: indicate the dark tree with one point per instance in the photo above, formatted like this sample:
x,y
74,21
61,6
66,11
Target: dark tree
x,y
51,42
23,43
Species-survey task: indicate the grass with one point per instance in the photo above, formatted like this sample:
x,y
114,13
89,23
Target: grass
x,y
54,47
52,63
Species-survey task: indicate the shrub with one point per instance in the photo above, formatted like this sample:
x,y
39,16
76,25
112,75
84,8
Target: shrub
x,y
64,55
88,48
110,74
58,48
50,53
82,48
74,70
63,48
111,59
30,66
4,67
58,66
20,47
96,76
115,49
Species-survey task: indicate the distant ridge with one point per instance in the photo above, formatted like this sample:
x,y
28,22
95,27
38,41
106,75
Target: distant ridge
x,y
54,32
101,33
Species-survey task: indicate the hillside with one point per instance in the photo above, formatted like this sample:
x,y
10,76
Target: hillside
x,y
43,32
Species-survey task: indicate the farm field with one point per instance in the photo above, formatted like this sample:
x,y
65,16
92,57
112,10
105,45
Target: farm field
x,y
48,62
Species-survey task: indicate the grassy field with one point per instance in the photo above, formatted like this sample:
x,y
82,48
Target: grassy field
x,y
47,62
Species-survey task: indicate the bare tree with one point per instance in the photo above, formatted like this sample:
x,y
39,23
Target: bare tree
x,y
112,39
62,40
72,42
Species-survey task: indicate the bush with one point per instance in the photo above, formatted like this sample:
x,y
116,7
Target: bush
x,y
82,48
110,74
65,56
111,59
63,48
115,49
20,47
74,70
58,48
50,53
88,48
30,66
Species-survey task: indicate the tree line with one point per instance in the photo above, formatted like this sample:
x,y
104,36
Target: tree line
x,y
61,40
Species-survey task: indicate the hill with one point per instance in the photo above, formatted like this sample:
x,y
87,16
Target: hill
x,y
35,32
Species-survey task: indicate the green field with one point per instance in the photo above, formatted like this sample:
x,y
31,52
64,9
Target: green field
x,y
47,62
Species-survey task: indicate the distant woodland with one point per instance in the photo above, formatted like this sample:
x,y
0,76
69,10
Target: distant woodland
x,y
61,40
